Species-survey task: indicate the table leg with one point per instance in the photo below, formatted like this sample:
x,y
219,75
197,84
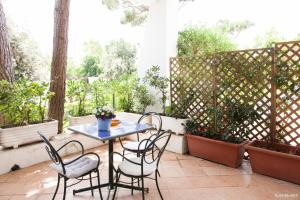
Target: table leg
x,y
110,163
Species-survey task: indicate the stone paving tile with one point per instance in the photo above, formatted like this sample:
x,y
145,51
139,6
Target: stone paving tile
x,y
183,177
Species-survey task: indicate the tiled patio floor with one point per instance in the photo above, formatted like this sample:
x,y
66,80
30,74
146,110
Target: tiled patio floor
x,y
183,178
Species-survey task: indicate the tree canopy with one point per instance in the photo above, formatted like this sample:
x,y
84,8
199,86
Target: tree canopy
x,y
202,40
119,58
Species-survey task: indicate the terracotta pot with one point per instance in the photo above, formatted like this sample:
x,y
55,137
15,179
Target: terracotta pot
x,y
275,164
218,151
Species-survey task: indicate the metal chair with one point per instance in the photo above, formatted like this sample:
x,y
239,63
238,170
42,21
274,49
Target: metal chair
x,y
76,167
136,146
146,165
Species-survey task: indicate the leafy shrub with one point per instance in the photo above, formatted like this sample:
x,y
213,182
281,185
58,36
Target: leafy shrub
x,y
143,98
77,91
154,79
227,123
127,85
195,41
24,102
99,93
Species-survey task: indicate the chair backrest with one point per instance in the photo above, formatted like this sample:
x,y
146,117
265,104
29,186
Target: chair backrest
x,y
155,147
53,154
152,118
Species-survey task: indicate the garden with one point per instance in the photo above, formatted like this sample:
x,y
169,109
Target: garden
x,y
232,118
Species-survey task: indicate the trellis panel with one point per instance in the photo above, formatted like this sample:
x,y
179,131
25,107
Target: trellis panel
x,y
191,87
245,76
267,78
288,91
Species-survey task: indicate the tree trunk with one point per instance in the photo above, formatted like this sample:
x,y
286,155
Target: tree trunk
x,y
59,61
6,71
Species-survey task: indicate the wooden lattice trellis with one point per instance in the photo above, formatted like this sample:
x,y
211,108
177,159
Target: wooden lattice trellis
x,y
268,78
287,59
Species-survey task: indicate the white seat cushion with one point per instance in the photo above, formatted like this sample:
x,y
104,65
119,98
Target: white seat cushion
x,y
134,146
77,168
136,170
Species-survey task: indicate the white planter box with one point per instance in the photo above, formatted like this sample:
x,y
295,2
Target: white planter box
x,y
174,124
130,117
15,136
177,144
88,119
38,153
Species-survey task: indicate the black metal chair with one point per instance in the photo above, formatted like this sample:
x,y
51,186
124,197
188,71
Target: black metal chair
x,y
145,165
76,167
136,146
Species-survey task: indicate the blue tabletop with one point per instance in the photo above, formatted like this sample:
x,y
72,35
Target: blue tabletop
x,y
123,129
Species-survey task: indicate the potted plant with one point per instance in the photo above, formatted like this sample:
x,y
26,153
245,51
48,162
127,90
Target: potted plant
x,y
24,107
272,157
104,117
154,79
223,141
144,98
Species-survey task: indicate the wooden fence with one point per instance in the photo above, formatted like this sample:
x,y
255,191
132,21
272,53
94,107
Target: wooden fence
x,y
268,78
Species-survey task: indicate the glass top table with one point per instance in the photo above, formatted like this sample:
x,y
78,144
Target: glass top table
x,y
121,130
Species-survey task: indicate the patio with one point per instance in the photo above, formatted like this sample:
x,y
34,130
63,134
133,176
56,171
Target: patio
x,y
183,177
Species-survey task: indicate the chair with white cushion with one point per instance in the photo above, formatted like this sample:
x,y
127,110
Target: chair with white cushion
x,y
77,167
135,146
146,165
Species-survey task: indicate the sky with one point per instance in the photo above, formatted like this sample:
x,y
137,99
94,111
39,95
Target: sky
x,y
89,19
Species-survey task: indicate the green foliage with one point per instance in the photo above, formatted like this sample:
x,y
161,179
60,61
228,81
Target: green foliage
x,y
91,66
126,92
119,58
268,39
233,28
24,101
77,91
144,98
135,11
93,48
73,70
99,93
111,4
134,17
154,79
26,55
228,123
202,40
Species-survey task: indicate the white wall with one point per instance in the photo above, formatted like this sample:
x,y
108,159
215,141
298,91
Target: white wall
x,y
160,39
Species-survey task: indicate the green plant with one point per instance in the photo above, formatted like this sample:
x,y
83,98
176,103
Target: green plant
x,y
226,123
99,93
127,85
154,79
144,98
194,41
77,91
24,102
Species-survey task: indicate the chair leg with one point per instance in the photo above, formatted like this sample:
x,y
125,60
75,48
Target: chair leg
x,y
98,176
65,188
117,180
157,185
143,189
57,186
131,186
91,184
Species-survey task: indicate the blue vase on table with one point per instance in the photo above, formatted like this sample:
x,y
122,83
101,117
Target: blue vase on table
x,y
104,124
